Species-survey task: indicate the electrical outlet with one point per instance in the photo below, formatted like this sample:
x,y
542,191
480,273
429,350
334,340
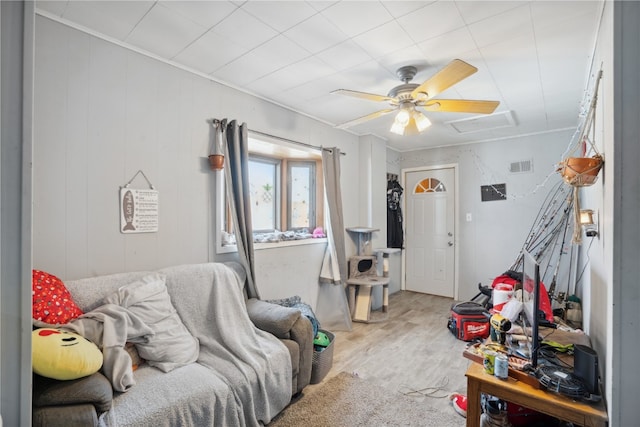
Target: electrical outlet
x,y
469,217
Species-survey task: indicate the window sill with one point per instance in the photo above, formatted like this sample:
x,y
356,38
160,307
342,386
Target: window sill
x,y
274,245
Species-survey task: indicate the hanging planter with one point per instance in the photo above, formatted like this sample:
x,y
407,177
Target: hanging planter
x,y
216,161
581,171
216,158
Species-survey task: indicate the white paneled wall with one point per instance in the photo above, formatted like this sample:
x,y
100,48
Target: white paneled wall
x,y
102,113
491,241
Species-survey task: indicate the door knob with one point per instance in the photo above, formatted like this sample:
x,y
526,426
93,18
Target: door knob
x,y
450,243
449,234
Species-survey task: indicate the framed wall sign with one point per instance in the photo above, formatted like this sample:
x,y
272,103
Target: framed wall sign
x,y
138,209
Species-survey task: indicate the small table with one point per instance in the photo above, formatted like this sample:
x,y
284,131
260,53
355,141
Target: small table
x,y
518,392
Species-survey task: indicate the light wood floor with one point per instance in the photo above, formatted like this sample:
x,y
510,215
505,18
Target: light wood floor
x,y
411,350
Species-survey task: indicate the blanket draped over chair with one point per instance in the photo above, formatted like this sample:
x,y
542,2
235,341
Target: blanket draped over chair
x,y
244,373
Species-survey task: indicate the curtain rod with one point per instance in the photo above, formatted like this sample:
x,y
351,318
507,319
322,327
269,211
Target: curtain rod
x,y
223,122
304,144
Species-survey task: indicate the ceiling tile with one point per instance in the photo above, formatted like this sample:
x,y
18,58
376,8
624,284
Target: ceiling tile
x,y
113,19
431,21
163,32
280,15
474,11
383,40
443,48
204,13
316,34
401,8
245,29
556,13
243,71
291,76
272,55
518,73
321,4
210,52
345,55
492,30
348,16
280,51
326,106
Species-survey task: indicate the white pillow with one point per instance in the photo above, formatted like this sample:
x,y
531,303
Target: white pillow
x,y
172,345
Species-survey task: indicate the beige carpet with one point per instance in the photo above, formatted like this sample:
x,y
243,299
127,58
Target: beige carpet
x,y
348,401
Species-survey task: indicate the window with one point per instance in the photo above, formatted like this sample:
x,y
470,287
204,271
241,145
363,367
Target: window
x,y
282,185
264,184
301,197
429,185
286,192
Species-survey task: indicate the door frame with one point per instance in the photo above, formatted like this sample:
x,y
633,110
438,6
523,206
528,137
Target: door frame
x,y
403,180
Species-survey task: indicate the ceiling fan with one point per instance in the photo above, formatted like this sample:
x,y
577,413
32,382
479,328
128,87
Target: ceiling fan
x,y
406,97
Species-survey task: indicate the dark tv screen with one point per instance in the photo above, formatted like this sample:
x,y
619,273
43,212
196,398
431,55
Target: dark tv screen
x,y
531,300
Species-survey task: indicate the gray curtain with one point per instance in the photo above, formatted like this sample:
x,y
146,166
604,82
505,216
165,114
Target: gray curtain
x,y
332,308
237,182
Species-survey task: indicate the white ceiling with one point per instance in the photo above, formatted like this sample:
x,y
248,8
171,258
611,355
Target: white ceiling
x,y
532,56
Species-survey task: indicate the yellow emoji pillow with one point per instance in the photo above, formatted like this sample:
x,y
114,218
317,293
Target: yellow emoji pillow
x,y
63,355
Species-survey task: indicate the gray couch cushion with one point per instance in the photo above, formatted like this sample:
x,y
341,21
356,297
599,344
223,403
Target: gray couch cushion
x,y
272,318
94,389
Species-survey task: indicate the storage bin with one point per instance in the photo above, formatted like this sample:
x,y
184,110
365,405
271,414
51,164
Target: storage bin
x,y
322,360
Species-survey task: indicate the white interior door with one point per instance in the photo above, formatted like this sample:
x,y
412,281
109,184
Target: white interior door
x,y
430,231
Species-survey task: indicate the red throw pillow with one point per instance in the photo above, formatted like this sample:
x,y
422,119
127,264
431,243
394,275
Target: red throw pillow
x,y
52,302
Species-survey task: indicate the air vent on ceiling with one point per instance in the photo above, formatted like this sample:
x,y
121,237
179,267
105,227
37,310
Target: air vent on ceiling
x,y
523,166
480,123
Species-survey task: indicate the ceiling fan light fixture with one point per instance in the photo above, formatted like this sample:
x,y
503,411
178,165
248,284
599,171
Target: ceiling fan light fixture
x,y
397,128
422,121
403,116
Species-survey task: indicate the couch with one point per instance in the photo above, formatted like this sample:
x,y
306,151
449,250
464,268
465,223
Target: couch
x,y
250,356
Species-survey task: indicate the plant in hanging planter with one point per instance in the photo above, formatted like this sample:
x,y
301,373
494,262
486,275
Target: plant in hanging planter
x,y
216,161
581,171
216,158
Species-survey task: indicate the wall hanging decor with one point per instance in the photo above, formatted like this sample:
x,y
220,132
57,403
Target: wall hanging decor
x,y
216,158
138,208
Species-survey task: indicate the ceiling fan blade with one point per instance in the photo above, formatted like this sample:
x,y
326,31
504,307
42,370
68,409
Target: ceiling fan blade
x,y
454,72
362,95
461,106
365,118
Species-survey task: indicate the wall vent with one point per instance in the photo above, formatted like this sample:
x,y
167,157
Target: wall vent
x,y
523,166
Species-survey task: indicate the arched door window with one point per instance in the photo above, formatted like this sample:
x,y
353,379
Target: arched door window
x,y
429,185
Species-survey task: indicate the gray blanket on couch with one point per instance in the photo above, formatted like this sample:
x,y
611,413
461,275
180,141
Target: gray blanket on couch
x,y
255,363
242,376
